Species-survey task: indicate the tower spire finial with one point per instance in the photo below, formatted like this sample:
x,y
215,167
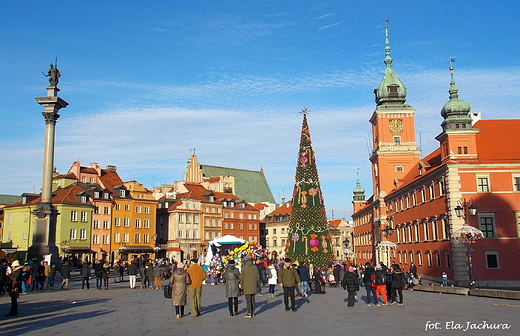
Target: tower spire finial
x,y
388,58
454,90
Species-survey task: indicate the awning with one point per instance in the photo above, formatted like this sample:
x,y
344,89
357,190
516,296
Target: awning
x,y
227,240
9,250
76,249
135,248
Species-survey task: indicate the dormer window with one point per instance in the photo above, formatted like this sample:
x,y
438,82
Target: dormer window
x,y
392,89
106,195
122,193
96,194
83,199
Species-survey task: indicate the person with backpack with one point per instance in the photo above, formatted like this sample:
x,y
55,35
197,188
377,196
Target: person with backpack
x,y
380,283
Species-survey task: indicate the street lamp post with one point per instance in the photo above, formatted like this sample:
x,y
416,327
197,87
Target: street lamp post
x,y
387,232
467,233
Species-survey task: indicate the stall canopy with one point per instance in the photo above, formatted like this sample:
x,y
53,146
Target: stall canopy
x,y
226,240
135,248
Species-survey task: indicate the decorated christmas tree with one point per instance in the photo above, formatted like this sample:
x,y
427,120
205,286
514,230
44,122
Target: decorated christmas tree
x,y
309,236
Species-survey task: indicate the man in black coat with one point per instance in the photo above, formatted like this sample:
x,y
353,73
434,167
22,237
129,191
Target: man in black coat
x,y
133,268
98,272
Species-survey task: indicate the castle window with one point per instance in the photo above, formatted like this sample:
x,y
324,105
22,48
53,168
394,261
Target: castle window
x,y
516,183
482,184
487,225
492,259
397,140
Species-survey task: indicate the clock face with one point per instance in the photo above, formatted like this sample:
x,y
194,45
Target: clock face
x,y
396,125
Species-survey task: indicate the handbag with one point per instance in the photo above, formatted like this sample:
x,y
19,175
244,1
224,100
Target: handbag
x,y
168,291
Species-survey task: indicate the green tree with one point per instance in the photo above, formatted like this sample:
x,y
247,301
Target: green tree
x,y
309,236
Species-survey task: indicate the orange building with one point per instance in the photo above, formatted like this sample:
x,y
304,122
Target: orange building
x,y
123,220
418,205
102,202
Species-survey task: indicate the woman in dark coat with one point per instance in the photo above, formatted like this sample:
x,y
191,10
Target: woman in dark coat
x,y
351,284
180,281
319,286
398,283
232,277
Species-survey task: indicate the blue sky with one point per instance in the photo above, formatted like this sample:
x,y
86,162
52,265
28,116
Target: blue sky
x,y
148,81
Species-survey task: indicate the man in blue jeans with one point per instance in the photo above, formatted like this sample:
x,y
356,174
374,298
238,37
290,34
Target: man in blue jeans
x,y
98,272
303,272
369,270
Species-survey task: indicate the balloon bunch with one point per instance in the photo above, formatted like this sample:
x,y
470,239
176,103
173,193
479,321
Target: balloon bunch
x,y
216,264
251,249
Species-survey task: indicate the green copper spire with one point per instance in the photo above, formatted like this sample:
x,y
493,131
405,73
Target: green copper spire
x,y
359,192
391,91
456,111
309,237
388,58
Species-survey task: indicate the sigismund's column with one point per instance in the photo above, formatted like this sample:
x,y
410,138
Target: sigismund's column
x,y
44,230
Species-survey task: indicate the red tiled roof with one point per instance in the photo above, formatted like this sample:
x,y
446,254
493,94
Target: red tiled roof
x,y
61,195
497,140
284,209
334,222
110,179
88,170
259,206
68,175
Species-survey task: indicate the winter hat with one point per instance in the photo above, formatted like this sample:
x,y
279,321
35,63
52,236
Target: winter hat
x,y
351,269
15,263
180,265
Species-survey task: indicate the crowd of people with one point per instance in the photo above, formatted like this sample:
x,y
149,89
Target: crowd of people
x,y
384,285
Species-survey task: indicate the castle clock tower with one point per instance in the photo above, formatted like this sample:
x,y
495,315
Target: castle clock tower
x,y
395,151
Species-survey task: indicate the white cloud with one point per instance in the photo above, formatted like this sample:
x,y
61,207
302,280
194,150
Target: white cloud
x,y
152,142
